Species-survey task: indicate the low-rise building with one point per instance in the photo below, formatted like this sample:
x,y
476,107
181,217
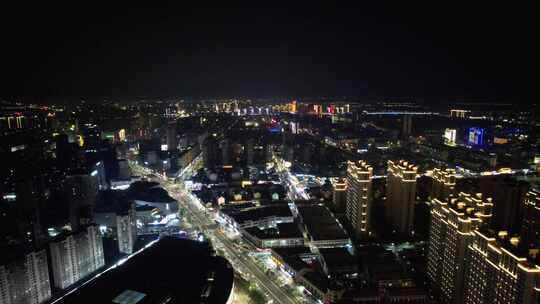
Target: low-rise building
x,y
322,228
262,217
283,235
292,259
314,281
338,262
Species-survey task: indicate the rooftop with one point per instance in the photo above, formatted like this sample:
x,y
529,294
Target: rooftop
x,y
291,251
149,192
316,278
257,213
181,270
321,224
282,231
112,201
338,257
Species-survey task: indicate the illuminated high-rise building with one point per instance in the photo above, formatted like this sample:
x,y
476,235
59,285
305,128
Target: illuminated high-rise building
x,y
401,196
453,222
497,274
530,227
339,195
76,255
359,197
26,279
443,183
126,229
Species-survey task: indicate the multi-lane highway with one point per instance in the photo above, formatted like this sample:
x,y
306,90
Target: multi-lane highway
x,y
295,190
198,216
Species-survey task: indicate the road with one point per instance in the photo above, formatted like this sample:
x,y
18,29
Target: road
x,y
197,216
295,190
263,281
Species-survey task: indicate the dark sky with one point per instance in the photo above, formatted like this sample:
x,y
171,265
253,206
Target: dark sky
x,y
432,51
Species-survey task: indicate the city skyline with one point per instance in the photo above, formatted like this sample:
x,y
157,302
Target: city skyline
x,y
368,152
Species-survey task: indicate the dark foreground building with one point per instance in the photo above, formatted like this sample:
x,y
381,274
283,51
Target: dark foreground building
x,y
170,271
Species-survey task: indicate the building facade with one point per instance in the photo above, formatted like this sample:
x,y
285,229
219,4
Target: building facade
x,y
443,183
401,196
496,274
339,195
406,128
172,142
530,227
359,197
453,223
126,229
76,255
25,280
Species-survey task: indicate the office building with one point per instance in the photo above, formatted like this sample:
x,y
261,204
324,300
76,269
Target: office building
x,y
359,197
25,279
453,222
530,227
497,274
401,196
75,255
443,183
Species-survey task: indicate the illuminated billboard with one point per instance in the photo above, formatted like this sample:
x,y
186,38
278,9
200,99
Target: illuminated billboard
x,y
476,136
500,140
450,136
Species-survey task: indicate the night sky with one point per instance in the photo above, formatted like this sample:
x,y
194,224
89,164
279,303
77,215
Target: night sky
x,y
426,51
